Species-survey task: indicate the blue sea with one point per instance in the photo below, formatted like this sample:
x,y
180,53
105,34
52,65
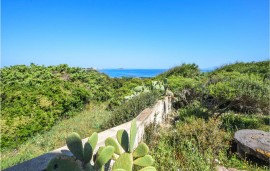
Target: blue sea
x,y
118,73
138,73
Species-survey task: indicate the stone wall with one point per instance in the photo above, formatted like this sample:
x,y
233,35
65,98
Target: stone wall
x,y
156,114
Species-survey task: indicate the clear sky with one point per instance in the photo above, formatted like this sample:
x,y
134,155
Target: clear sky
x,y
133,33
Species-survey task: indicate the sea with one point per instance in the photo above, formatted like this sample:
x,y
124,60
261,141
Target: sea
x,y
137,73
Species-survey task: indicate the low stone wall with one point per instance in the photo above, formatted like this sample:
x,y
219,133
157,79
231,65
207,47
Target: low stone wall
x,y
156,114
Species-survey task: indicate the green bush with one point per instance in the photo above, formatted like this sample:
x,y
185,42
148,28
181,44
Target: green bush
x,y
194,109
124,87
256,68
130,109
233,122
239,92
185,70
34,97
193,144
185,90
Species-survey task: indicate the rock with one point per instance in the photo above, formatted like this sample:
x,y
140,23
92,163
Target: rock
x,y
253,142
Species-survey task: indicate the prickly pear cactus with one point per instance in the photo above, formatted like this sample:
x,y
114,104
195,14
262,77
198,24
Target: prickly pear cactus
x,y
121,151
82,156
126,156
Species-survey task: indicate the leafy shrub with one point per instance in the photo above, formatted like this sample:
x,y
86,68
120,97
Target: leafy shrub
x,y
257,68
185,90
123,87
234,122
130,109
194,109
193,144
185,70
207,136
238,92
34,97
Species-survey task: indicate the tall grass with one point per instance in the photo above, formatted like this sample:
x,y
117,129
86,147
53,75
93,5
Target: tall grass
x,y
84,123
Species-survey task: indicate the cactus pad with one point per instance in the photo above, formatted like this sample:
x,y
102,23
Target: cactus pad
x,y
112,142
144,161
141,150
125,161
74,144
104,156
133,132
123,139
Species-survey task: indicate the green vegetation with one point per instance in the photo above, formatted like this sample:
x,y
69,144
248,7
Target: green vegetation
x,y
41,104
34,98
131,108
210,108
257,68
185,70
112,151
90,120
83,154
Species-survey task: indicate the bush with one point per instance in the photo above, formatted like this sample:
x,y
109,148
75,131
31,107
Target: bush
x,y
255,68
123,87
185,70
238,92
130,109
33,98
233,122
207,136
194,109
193,144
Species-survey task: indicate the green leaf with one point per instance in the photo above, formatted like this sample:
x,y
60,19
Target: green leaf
x,y
104,156
133,132
144,161
141,150
112,142
74,144
124,161
123,139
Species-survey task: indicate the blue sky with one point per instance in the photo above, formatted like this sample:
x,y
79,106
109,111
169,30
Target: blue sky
x,y
133,33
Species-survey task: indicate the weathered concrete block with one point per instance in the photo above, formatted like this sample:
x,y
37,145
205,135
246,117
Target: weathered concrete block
x,y
253,142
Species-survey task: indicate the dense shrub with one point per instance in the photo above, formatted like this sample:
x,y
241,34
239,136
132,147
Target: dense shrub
x,y
131,108
193,109
185,70
233,122
185,90
198,139
257,68
238,92
241,87
34,97
123,87
205,135
193,144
